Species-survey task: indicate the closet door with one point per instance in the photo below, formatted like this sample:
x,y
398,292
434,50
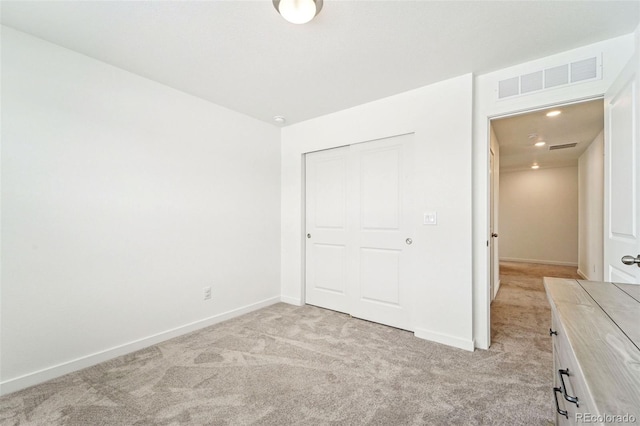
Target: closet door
x,y
326,223
381,276
358,216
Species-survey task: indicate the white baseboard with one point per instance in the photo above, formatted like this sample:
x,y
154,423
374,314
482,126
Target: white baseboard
x,y
582,275
445,339
291,300
40,376
543,262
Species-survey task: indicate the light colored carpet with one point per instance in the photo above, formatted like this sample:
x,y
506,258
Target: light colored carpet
x,y
309,366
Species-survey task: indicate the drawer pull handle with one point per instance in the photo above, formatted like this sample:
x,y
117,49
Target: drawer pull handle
x,y
555,395
551,332
568,397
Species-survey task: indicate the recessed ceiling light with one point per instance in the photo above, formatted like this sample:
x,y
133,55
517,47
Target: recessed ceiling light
x,y
554,113
535,166
279,119
541,143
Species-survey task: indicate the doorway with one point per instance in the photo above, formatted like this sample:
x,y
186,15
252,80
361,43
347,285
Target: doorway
x,y
546,192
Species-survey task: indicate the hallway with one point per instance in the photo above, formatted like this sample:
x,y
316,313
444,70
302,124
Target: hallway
x,y
521,304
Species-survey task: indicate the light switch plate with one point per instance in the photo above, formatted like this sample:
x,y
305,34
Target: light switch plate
x,y
430,218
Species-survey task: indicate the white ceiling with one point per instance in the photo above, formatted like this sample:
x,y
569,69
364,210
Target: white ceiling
x,y
577,123
244,56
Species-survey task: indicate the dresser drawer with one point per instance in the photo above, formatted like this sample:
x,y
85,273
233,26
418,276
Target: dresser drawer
x,y
574,397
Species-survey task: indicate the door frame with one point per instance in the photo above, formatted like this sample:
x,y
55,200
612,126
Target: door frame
x,y
489,118
613,54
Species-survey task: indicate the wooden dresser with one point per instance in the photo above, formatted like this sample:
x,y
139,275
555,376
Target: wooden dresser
x,y
595,328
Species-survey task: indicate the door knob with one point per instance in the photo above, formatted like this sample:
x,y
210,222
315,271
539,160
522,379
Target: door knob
x,y
630,260
494,235
409,241
308,235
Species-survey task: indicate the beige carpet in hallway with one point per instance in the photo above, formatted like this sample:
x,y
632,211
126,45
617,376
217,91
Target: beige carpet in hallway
x,y
309,366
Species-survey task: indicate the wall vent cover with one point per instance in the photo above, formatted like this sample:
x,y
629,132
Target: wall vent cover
x,y
556,76
531,82
548,78
509,87
563,146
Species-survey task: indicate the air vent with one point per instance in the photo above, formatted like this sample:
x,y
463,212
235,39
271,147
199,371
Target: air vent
x,y
563,146
531,82
556,76
584,70
549,78
508,87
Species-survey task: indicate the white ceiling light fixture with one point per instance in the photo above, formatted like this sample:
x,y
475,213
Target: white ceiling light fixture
x,y
298,11
535,166
540,143
279,119
554,113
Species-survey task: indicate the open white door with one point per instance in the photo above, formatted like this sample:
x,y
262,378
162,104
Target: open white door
x,y
622,177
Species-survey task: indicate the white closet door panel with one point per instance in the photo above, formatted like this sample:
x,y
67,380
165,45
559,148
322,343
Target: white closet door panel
x,y
330,192
381,278
327,253
380,189
329,266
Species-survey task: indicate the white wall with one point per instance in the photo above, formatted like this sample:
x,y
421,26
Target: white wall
x,y
121,199
615,53
539,216
440,117
591,210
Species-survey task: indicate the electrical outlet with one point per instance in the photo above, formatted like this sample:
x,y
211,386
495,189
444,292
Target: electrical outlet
x,y
207,293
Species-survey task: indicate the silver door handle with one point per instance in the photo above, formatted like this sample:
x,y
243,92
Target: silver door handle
x,y
630,260
409,241
308,235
